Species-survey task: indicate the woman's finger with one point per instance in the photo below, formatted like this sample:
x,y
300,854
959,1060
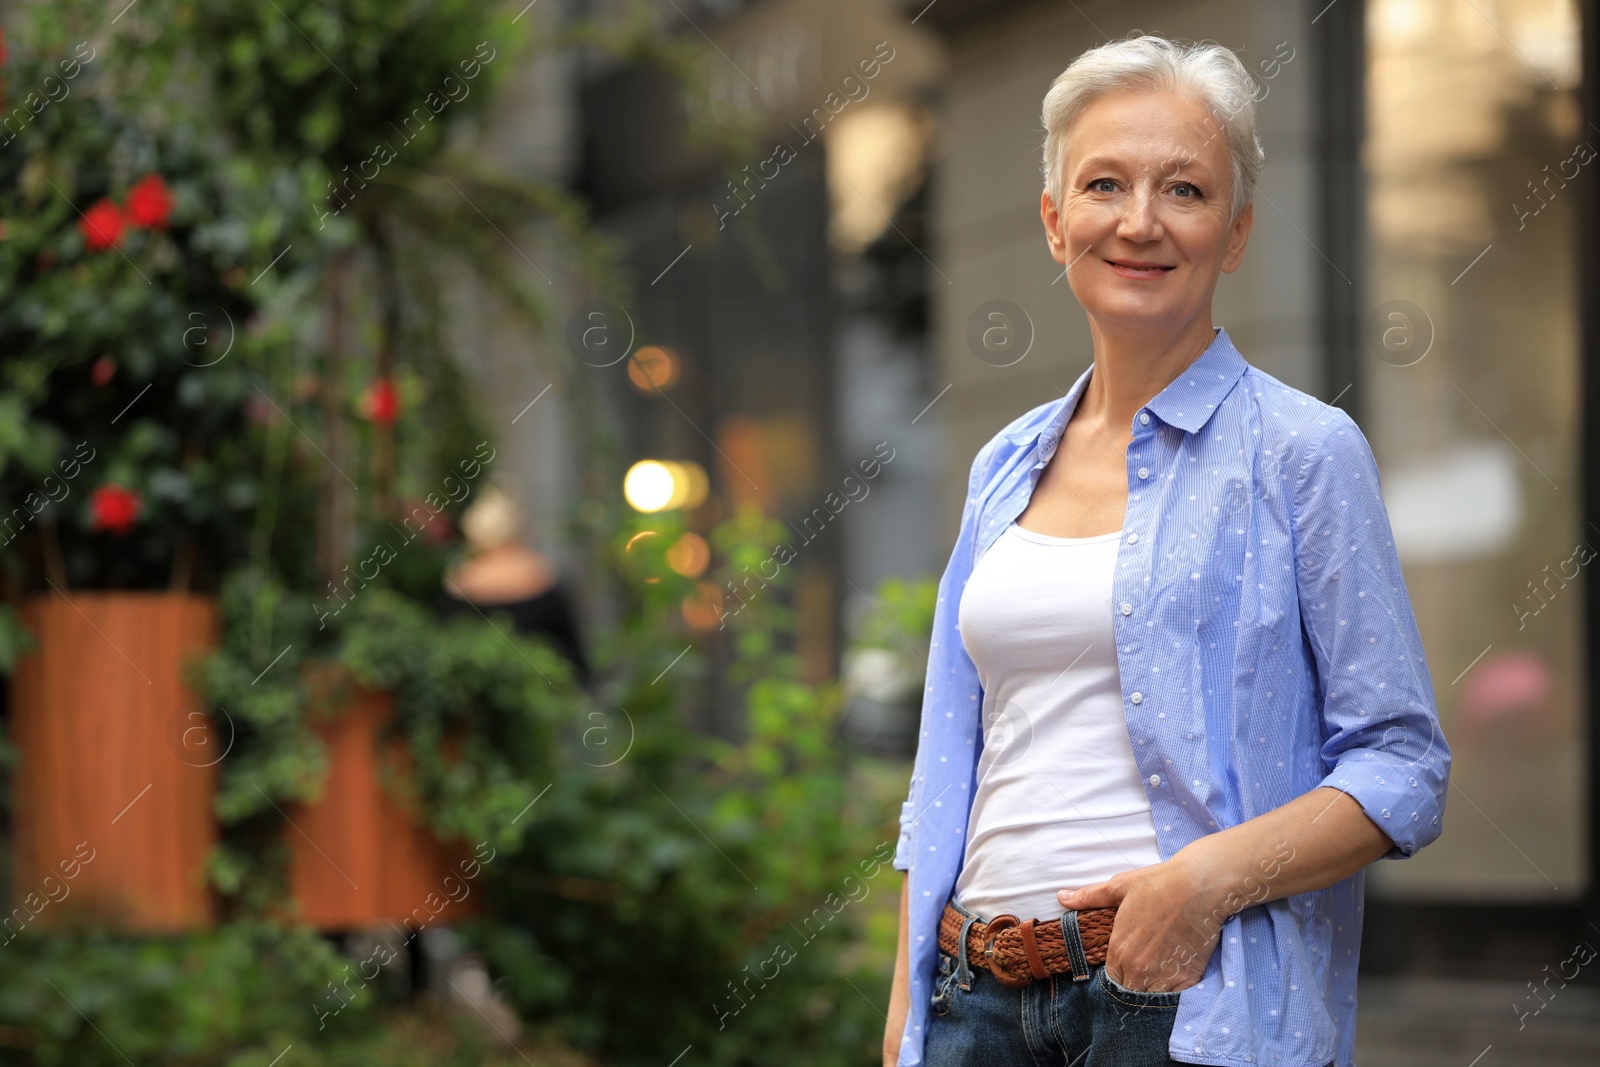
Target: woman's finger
x,y
1099,895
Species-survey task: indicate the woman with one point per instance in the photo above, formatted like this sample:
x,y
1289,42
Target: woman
x,y
503,574
1175,603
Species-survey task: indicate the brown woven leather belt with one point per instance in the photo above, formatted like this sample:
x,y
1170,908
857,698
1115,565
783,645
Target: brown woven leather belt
x,y
1019,952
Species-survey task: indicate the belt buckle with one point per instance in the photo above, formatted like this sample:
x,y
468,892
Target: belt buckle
x,y
996,925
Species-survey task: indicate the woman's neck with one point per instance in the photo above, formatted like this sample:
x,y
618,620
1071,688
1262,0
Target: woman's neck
x,y
1130,368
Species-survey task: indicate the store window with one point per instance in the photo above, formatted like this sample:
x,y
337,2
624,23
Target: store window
x,y
1471,400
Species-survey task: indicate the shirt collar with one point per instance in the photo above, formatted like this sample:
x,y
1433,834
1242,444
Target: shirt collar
x,y
1187,402
1190,398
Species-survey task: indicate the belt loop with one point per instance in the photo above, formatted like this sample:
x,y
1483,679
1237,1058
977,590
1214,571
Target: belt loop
x,y
1069,934
963,971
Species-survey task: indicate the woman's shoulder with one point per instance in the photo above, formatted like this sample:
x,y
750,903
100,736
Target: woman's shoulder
x,y
1295,426
504,576
1309,453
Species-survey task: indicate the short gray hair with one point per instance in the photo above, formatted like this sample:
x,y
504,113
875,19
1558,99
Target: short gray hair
x,y
1209,72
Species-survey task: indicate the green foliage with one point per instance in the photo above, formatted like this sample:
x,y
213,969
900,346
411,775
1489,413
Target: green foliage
x,y
370,67
201,998
649,883
14,638
661,873
904,610
670,837
131,366
478,706
238,996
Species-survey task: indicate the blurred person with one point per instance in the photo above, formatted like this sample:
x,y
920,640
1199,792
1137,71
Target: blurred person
x,y
503,574
1176,698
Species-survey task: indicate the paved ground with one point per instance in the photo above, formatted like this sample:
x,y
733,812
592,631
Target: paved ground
x,y
1414,1022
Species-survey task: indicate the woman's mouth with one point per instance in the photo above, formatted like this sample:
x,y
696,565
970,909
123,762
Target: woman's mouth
x,y
1129,268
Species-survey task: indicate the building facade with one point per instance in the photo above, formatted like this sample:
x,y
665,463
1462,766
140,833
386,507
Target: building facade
x,y
871,269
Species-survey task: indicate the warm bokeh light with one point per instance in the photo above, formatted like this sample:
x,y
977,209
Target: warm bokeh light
x,y
689,555
692,485
657,485
648,486
640,536
702,609
653,367
635,540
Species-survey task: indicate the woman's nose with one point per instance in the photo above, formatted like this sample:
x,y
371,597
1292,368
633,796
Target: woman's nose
x,y
1139,218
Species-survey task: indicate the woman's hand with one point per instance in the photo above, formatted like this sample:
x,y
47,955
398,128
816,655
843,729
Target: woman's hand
x,y
1170,915
1167,925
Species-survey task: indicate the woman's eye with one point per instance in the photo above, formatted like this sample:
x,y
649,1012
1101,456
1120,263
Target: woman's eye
x,y
1185,190
1099,185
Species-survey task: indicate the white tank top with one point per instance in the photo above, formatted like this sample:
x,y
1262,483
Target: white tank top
x,y
1059,802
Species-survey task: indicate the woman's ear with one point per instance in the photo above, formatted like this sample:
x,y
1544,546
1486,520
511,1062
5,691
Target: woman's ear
x,y
1238,235
1052,228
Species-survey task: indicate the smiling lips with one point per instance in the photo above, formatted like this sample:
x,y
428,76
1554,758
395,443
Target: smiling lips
x,y
1133,269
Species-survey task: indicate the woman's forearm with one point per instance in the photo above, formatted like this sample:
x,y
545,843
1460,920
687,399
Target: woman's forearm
x,y
1171,914
1314,840
900,990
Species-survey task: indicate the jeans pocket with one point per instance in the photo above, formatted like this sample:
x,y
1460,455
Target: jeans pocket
x,y
1133,997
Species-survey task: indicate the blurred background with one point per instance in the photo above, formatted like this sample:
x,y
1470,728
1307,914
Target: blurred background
x,y
473,477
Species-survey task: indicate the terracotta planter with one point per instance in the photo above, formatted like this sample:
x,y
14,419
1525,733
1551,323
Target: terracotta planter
x,y
358,856
115,782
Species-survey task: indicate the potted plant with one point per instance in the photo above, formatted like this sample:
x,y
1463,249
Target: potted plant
x,y
129,477
363,763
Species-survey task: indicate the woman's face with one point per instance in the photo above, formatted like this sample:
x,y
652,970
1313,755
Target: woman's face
x,y
1143,224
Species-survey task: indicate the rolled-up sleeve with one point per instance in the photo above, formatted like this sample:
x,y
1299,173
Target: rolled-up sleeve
x,y
902,850
1382,742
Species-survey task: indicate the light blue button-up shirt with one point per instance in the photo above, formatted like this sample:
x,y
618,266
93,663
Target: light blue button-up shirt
x,y
1262,618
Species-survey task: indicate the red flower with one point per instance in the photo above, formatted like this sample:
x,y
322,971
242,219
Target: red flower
x,y
114,508
439,527
102,370
382,402
150,202
101,226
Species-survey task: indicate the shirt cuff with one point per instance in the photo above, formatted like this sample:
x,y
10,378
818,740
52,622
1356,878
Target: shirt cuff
x,y
1394,797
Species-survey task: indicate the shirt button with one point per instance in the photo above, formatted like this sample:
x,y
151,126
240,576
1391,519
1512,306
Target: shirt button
x,y
1132,538
1144,472
1144,418
1155,779
1127,609
1136,697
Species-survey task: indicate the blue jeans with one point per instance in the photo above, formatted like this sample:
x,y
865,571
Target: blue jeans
x,y
1062,1020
